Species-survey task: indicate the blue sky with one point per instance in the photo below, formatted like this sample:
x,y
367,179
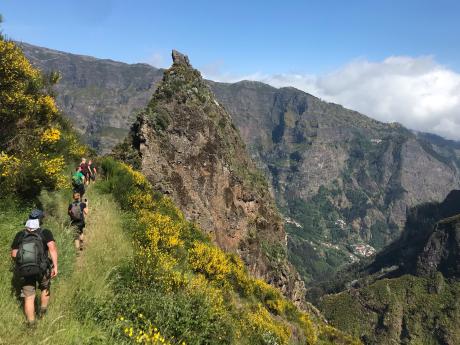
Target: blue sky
x,y
405,48
243,36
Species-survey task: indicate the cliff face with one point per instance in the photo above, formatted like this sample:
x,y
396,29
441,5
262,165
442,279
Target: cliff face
x,y
191,150
343,181
101,97
442,252
410,293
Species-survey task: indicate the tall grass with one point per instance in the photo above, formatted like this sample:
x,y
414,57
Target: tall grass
x,y
81,281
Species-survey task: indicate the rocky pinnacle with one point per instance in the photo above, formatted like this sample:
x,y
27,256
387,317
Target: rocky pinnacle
x,y
180,59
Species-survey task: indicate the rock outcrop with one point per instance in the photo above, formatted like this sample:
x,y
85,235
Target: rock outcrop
x,y
442,252
191,150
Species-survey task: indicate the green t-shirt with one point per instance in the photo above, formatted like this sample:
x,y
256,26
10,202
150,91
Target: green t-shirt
x,y
78,178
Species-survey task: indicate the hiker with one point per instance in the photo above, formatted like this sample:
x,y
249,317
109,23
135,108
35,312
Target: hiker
x,y
78,181
92,170
31,250
77,211
85,169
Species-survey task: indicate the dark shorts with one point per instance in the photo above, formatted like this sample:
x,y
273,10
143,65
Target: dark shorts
x,y
79,189
29,284
78,228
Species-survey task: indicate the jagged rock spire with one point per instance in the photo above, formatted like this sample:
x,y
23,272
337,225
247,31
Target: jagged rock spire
x,y
180,59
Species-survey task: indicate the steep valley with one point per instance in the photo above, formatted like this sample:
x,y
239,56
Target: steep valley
x,y
410,292
343,181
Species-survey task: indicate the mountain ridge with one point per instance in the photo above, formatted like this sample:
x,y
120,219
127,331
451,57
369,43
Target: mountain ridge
x,y
345,178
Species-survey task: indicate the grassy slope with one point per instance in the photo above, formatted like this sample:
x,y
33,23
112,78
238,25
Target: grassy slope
x,y
87,276
406,310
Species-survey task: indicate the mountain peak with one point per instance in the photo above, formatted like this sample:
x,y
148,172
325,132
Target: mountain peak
x,y
191,150
180,59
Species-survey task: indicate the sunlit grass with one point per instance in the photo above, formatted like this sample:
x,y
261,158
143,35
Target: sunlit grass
x,y
80,280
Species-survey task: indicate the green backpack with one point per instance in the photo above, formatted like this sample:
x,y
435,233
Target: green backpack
x,y
76,179
31,259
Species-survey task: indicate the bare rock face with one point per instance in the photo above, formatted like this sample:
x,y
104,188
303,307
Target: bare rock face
x,y
442,252
191,150
100,97
344,178
180,59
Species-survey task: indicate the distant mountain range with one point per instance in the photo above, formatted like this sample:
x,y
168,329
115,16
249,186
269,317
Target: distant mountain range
x,y
343,181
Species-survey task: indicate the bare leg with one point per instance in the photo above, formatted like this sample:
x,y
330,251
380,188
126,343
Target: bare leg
x,y
77,244
29,307
45,298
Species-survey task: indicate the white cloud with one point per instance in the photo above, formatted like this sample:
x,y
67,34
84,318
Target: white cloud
x,y
417,92
157,60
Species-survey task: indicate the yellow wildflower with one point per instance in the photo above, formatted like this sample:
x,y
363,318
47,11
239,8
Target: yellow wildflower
x,y
50,136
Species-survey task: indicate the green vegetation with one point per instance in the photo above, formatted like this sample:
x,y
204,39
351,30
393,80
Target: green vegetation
x,y
405,310
312,248
126,153
36,143
87,280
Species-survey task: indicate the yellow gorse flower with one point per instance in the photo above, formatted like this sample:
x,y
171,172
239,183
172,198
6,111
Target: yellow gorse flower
x,y
31,127
50,136
211,261
53,166
261,321
9,165
142,331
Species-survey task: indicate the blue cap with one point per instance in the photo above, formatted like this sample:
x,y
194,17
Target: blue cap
x,y
36,214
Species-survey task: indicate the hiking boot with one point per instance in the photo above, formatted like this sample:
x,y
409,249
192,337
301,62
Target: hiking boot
x,y
31,324
81,245
42,313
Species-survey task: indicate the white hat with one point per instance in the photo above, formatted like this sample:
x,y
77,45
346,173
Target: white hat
x,y
32,224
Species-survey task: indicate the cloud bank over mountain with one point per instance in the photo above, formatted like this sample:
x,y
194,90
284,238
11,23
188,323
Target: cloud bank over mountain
x,y
417,92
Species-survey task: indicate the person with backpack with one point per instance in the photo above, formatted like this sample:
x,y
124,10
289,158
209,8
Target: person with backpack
x,y
85,169
77,212
35,255
92,171
78,181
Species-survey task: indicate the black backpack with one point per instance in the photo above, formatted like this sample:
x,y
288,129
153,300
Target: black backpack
x,y
31,259
75,211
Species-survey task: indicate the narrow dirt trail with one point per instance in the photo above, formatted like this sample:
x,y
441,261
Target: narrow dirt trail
x,y
86,277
